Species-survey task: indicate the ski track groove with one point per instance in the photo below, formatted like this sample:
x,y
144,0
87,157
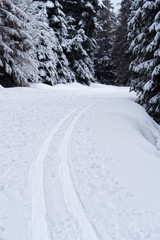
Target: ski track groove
x,y
72,201
39,225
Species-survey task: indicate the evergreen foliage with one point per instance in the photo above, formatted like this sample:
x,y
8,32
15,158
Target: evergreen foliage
x,y
144,35
82,21
103,62
45,43
15,45
121,45
75,23
63,37
57,21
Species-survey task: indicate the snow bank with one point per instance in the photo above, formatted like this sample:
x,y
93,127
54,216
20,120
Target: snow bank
x,y
93,89
41,86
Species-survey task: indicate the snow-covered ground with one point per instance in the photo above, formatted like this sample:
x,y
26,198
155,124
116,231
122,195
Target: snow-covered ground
x,y
77,163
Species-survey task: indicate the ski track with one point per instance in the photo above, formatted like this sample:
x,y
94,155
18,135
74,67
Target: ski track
x,y
39,226
72,201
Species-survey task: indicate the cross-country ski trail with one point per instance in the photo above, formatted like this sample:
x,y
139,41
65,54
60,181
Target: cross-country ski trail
x,y
72,201
39,225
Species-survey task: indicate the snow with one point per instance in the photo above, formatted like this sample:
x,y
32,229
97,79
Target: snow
x,y
50,4
156,71
148,85
77,163
116,5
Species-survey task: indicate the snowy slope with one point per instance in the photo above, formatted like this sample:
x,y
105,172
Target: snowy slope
x,y
77,163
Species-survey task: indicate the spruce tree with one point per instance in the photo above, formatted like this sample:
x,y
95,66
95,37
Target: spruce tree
x,y
145,40
151,91
74,23
103,57
57,21
140,37
81,17
121,45
44,40
15,45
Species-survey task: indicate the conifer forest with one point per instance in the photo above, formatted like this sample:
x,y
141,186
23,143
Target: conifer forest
x,y
63,41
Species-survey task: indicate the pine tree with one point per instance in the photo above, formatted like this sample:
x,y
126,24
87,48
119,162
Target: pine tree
x,y
121,45
44,40
57,22
139,37
145,40
81,17
15,45
151,90
103,57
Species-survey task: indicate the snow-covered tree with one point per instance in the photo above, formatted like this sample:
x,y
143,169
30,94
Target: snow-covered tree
x,y
15,45
44,41
81,17
121,45
151,90
139,37
144,35
103,58
57,21
74,23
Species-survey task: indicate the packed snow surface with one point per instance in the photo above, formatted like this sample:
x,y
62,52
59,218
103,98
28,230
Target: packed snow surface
x,y
77,163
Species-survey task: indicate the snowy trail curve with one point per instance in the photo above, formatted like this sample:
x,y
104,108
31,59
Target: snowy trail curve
x,y
39,226
72,201
77,163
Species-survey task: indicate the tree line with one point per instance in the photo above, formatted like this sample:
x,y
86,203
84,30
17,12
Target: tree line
x,y
61,41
